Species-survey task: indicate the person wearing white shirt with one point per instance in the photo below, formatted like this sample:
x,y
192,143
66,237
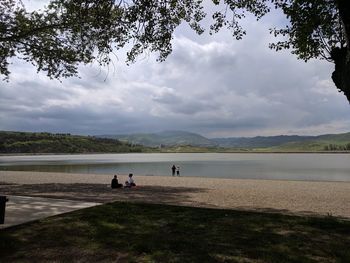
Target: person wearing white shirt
x,y
130,182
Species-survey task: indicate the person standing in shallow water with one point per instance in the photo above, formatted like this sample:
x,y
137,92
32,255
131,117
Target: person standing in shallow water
x,y
173,169
178,170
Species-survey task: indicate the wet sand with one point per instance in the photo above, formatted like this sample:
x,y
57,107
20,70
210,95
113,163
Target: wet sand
x,y
290,197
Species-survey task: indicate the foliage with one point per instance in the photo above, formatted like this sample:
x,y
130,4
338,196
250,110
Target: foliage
x,y
318,29
125,232
315,28
25,142
337,147
66,33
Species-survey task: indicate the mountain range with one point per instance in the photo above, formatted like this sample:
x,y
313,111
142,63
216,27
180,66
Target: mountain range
x,y
165,138
180,138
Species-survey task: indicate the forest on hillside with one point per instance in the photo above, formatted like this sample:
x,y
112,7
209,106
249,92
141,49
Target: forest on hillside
x,y
43,142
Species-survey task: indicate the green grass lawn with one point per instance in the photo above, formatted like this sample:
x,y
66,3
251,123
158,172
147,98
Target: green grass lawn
x,y
125,232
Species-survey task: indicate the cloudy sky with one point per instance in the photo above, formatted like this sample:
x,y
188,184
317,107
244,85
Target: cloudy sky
x,y
212,85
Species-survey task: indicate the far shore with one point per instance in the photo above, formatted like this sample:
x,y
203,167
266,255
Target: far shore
x,y
289,197
165,152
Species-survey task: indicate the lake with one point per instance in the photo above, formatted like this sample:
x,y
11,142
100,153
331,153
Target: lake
x,y
287,166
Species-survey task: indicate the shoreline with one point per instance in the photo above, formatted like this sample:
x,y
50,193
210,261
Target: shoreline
x,y
243,152
103,175
283,196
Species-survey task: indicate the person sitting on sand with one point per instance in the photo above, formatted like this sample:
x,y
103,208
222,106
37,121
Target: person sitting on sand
x,y
115,183
130,182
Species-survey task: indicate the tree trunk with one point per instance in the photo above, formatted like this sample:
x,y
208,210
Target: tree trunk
x,y
341,74
341,56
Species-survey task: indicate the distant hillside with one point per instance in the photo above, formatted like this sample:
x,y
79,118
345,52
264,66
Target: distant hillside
x,y
27,142
327,142
259,141
166,138
341,138
171,141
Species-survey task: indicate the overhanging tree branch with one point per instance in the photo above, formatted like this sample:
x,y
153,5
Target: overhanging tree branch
x,y
30,33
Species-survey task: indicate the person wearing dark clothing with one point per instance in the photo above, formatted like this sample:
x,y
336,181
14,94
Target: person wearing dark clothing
x,y
115,183
173,169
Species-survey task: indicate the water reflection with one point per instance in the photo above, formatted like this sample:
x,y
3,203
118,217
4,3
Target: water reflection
x,y
322,167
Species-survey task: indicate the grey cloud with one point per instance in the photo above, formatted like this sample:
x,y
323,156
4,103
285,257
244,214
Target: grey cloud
x,y
190,108
167,98
184,105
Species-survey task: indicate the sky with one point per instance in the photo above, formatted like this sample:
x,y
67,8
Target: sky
x,y
212,85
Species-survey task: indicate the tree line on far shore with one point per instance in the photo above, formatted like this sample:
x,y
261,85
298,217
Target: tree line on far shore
x,y
12,142
337,147
43,142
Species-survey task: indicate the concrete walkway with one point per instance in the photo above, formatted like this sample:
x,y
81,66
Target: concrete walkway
x,y
22,209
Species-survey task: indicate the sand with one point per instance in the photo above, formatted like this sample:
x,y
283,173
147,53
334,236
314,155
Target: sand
x,y
290,197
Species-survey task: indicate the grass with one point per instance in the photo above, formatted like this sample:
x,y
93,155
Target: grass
x,y
126,232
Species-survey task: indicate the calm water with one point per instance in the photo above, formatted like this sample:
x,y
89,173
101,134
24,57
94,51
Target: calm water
x,y
319,167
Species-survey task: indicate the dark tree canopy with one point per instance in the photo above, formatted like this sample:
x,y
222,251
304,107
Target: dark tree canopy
x,y
318,29
67,33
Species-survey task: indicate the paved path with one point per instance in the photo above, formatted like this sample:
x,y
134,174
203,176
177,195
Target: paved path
x,y
22,209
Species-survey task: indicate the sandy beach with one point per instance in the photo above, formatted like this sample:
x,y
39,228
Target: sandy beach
x,y
290,197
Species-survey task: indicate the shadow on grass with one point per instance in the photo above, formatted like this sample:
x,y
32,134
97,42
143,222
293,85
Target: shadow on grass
x,y
139,232
102,193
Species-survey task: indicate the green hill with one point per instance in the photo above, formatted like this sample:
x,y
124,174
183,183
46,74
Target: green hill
x,y
327,142
169,141
334,138
259,141
192,142
166,138
43,142
283,143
